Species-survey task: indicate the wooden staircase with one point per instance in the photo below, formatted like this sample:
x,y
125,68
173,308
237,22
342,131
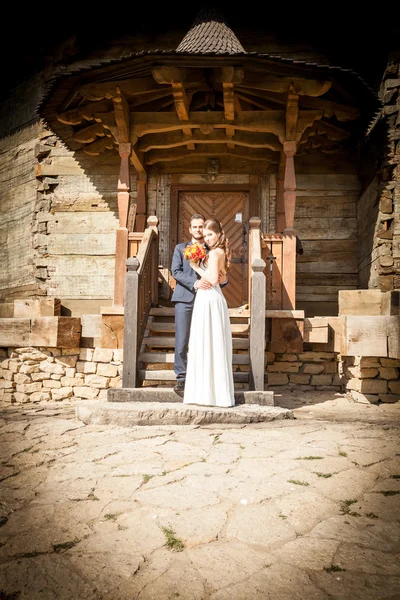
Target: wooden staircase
x,y
156,356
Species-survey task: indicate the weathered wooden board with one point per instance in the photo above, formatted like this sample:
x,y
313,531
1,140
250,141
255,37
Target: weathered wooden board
x,y
82,223
15,332
286,335
91,326
360,302
81,276
326,229
94,244
37,307
316,330
57,332
328,181
369,336
328,207
112,331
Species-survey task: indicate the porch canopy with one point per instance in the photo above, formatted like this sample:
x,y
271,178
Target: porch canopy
x,y
207,98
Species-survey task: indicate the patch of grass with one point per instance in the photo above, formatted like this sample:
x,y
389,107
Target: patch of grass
x,y
111,516
281,516
345,508
395,477
298,482
33,554
371,515
146,477
65,546
310,458
173,543
333,569
27,449
91,496
324,475
216,439
203,460
342,453
389,492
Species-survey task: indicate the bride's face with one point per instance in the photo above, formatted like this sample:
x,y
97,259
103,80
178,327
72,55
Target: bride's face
x,y
210,237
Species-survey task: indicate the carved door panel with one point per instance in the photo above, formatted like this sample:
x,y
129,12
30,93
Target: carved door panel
x,y
226,207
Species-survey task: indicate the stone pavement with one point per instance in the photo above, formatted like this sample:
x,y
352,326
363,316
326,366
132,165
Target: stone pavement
x,y
304,508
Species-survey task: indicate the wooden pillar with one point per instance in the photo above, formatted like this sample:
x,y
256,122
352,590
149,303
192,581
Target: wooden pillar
x,y
129,369
141,202
121,246
280,205
289,186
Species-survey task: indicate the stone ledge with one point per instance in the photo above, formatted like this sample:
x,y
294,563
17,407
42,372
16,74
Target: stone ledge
x,y
150,394
131,414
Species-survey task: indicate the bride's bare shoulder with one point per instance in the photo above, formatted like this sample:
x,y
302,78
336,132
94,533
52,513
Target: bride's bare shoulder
x,y
218,251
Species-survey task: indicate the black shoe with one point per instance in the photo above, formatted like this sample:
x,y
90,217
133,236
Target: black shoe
x,y
179,386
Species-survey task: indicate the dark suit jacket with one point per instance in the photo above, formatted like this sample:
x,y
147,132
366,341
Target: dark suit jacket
x,y
184,275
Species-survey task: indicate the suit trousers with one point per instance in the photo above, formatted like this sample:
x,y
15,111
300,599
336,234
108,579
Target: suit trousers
x,y
183,319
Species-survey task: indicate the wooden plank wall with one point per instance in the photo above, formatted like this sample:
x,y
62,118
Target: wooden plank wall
x,y
18,197
368,247
326,223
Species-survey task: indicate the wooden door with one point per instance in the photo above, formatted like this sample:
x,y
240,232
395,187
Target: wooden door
x,y
226,207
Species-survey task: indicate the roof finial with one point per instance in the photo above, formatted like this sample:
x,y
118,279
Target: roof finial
x,y
210,34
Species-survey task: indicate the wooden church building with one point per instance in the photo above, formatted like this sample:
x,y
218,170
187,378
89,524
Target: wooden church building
x,y
108,148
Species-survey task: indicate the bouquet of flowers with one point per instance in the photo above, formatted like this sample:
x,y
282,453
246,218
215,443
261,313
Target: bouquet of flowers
x,y
194,252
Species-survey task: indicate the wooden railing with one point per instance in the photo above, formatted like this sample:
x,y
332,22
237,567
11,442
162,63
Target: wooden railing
x,y
257,290
279,253
141,293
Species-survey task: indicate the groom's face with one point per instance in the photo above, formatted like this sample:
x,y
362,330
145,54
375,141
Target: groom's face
x,y
196,230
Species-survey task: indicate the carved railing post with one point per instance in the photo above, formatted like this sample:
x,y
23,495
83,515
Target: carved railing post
x,y
257,325
129,369
152,222
257,294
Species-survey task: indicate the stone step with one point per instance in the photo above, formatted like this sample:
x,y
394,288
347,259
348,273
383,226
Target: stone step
x,y
92,412
165,311
168,358
169,342
169,375
167,394
162,327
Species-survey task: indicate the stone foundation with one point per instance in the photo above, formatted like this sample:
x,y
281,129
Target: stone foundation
x,y
54,374
372,380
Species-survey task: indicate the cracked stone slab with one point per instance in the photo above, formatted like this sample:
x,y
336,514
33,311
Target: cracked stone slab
x,y
130,414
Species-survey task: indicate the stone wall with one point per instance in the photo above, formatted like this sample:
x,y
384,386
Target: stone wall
x,y
55,374
43,375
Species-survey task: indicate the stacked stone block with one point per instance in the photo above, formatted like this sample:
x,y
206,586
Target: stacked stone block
x,y
372,379
55,374
307,370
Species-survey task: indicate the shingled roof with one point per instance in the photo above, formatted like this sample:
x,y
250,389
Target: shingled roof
x,y
210,34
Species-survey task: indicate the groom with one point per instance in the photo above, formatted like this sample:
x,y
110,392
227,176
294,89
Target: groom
x,y
187,282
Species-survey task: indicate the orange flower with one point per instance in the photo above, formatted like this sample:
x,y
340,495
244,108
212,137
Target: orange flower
x,y
194,252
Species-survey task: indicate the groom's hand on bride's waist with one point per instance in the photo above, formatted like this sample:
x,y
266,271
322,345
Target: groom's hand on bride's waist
x,y
201,284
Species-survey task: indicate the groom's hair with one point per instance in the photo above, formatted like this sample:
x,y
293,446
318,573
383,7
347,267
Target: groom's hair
x,y
197,216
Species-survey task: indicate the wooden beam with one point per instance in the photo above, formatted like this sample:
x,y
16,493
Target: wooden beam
x,y
108,89
89,134
270,83
83,113
167,75
181,154
174,139
98,147
292,115
256,121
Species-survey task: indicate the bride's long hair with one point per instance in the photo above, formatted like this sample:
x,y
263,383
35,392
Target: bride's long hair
x,y
223,242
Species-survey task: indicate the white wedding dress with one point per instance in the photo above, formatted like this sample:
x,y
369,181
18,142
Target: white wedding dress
x,y
209,378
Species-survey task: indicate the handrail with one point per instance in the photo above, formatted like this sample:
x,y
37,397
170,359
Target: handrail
x,y
141,292
257,306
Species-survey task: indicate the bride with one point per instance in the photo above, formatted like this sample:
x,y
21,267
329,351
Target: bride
x,y
209,378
